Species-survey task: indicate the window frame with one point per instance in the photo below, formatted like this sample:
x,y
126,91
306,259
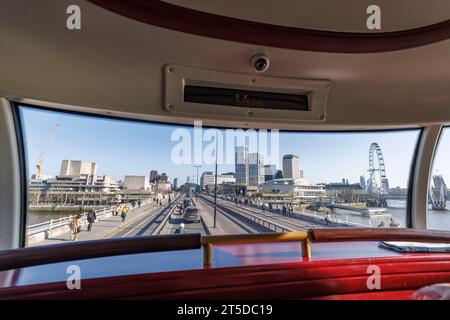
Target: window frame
x,y
410,209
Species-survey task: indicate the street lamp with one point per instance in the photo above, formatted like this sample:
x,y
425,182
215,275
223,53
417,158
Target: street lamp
x,y
197,166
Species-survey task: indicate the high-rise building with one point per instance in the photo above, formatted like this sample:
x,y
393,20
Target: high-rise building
x,y
255,169
269,172
175,183
188,179
241,165
153,176
291,166
362,183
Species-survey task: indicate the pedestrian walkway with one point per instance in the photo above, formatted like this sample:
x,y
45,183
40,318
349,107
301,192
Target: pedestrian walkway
x,y
104,227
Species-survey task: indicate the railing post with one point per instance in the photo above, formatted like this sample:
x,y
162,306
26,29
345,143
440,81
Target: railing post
x,y
207,255
51,224
306,249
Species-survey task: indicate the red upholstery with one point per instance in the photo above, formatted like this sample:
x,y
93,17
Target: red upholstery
x,y
336,279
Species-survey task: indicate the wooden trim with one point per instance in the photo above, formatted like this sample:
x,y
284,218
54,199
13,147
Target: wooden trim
x,y
377,234
25,257
173,17
255,238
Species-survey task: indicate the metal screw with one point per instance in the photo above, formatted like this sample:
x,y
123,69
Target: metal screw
x,y
253,80
321,116
171,106
171,69
250,114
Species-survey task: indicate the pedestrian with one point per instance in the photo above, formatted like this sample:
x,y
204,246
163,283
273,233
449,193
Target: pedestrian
x,y
328,218
91,217
270,207
75,227
139,203
263,207
124,213
284,210
381,225
394,224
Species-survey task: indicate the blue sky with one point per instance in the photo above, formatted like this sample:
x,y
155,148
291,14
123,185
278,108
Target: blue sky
x,y
131,148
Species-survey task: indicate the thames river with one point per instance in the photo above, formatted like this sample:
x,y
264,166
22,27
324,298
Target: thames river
x,y
439,220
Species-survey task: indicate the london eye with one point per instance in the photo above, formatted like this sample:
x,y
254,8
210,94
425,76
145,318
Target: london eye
x,y
377,170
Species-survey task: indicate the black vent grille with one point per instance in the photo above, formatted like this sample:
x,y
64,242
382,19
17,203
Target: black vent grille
x,y
246,98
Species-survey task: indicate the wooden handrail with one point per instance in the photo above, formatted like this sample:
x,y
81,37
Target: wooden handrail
x,y
255,238
377,234
31,256
26,257
209,241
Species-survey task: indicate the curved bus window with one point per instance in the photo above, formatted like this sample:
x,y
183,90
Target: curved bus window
x,y
93,177
438,193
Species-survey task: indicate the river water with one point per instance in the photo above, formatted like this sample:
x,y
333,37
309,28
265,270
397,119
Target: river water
x,y
37,216
439,220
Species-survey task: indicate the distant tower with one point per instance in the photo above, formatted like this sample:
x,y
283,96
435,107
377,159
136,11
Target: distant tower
x,y
291,166
241,165
256,169
153,175
164,177
175,183
362,182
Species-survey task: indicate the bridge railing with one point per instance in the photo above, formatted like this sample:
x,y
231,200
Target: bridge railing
x,y
315,215
255,218
48,225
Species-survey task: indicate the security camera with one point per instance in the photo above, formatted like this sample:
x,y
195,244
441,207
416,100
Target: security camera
x,y
260,62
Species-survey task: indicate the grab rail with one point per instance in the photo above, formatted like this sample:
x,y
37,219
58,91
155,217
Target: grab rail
x,y
25,257
31,256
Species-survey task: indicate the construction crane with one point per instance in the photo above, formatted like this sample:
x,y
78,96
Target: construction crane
x,y
44,152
